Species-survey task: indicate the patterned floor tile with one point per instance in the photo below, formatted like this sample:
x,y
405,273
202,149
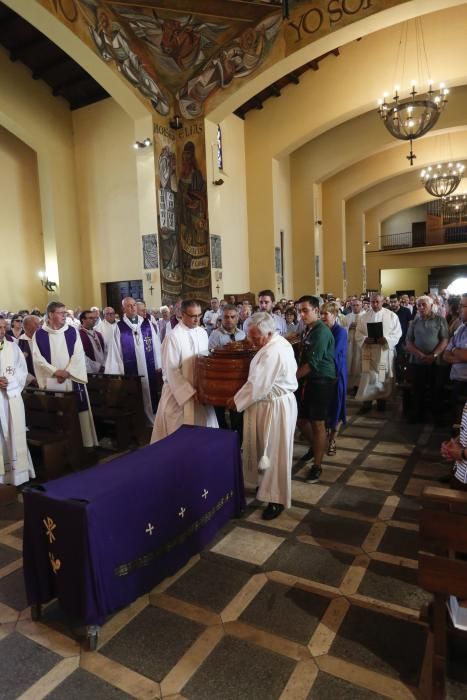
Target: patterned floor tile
x,y
8,555
372,480
12,590
357,432
432,469
331,527
393,584
381,643
384,462
400,543
341,457
248,545
287,521
153,642
327,687
352,443
289,612
209,584
308,493
310,562
81,684
415,486
237,670
22,663
359,500
394,448
369,422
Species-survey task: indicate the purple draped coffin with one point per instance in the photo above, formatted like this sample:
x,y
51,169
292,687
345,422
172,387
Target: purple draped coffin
x,y
98,539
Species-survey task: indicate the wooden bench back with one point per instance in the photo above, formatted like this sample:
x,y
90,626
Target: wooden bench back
x,y
443,534
55,412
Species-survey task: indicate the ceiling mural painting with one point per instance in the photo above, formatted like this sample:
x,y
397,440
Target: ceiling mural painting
x,y
185,56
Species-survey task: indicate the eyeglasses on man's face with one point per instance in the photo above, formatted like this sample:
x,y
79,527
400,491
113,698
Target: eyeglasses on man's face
x,y
192,315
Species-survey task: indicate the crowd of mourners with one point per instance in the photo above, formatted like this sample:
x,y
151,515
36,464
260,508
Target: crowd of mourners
x,y
312,354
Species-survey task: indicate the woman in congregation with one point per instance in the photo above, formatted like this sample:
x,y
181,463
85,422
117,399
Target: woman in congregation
x,y
329,313
16,328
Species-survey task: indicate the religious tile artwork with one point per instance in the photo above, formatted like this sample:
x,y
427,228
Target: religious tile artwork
x,y
216,252
150,260
182,213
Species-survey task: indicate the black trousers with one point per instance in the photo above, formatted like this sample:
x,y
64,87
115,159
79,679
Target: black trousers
x,y
235,418
427,390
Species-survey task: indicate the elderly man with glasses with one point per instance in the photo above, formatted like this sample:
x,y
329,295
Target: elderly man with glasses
x,y
178,404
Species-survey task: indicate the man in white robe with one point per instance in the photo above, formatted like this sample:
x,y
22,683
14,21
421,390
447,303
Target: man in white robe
x,y
15,461
30,326
178,404
136,351
60,364
107,326
354,353
270,407
377,379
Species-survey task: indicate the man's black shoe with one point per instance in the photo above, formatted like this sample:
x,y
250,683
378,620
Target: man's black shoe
x,y
313,475
272,510
308,456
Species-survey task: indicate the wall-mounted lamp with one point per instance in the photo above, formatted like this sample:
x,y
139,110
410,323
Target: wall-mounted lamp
x,y
46,283
319,222
367,243
220,181
143,144
176,122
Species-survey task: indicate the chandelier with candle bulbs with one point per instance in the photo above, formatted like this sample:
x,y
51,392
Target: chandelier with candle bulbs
x,y
442,180
455,204
408,118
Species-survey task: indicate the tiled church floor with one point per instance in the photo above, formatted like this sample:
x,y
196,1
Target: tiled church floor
x,y
321,603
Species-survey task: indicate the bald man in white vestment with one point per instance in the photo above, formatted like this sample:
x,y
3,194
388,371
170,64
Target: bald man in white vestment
x,y
377,378
178,405
268,400
136,351
60,364
15,461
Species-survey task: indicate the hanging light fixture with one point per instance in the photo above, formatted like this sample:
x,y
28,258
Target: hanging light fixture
x,y
441,180
455,204
411,117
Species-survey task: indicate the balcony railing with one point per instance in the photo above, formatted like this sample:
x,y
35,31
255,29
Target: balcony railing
x,y
397,241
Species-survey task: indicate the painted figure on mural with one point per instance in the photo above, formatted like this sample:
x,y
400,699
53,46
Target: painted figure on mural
x,y
192,199
114,44
237,59
168,224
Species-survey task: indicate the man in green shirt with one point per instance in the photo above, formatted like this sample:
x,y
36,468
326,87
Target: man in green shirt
x,y
316,375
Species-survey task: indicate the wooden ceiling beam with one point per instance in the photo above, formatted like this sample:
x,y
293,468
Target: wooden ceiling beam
x,y
234,10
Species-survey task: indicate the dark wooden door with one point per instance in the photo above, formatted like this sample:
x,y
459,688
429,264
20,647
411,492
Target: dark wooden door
x,y
116,291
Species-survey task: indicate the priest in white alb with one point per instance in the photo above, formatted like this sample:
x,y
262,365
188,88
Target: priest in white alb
x,y
354,352
268,400
15,461
178,405
60,364
136,351
378,356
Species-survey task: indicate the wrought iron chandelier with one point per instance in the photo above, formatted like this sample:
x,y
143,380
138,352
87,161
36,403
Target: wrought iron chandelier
x,y
442,180
411,117
414,116
455,204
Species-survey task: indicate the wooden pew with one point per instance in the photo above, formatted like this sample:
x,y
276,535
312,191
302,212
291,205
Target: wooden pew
x,y
117,406
54,432
443,536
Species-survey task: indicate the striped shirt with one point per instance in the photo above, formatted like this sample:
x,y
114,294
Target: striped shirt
x,y
461,465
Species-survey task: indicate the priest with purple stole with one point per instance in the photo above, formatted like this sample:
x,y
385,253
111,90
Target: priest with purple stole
x,y
93,342
60,365
136,351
